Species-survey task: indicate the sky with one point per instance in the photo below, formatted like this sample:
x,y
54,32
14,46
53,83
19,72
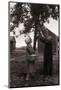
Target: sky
x,y
20,40
53,25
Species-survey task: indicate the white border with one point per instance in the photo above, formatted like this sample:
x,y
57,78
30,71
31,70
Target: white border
x,y
4,44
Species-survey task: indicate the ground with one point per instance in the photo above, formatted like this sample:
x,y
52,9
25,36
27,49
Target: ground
x,y
18,68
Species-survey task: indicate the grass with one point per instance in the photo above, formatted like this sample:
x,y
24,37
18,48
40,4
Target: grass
x,y
18,70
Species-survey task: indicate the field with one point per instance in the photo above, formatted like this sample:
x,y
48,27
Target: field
x,y
18,69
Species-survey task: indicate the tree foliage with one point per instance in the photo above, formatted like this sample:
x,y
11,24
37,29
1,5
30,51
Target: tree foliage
x,y
33,16
30,13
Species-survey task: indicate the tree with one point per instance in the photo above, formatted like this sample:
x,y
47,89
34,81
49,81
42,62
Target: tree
x,y
41,13
33,15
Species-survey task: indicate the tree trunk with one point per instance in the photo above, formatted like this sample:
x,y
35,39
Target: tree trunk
x,y
35,32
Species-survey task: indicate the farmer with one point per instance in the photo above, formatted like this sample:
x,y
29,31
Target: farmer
x,y
30,57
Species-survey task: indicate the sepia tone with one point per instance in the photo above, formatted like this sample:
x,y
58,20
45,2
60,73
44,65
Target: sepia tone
x,y
33,46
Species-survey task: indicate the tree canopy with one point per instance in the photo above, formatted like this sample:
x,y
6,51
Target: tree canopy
x,y
30,13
